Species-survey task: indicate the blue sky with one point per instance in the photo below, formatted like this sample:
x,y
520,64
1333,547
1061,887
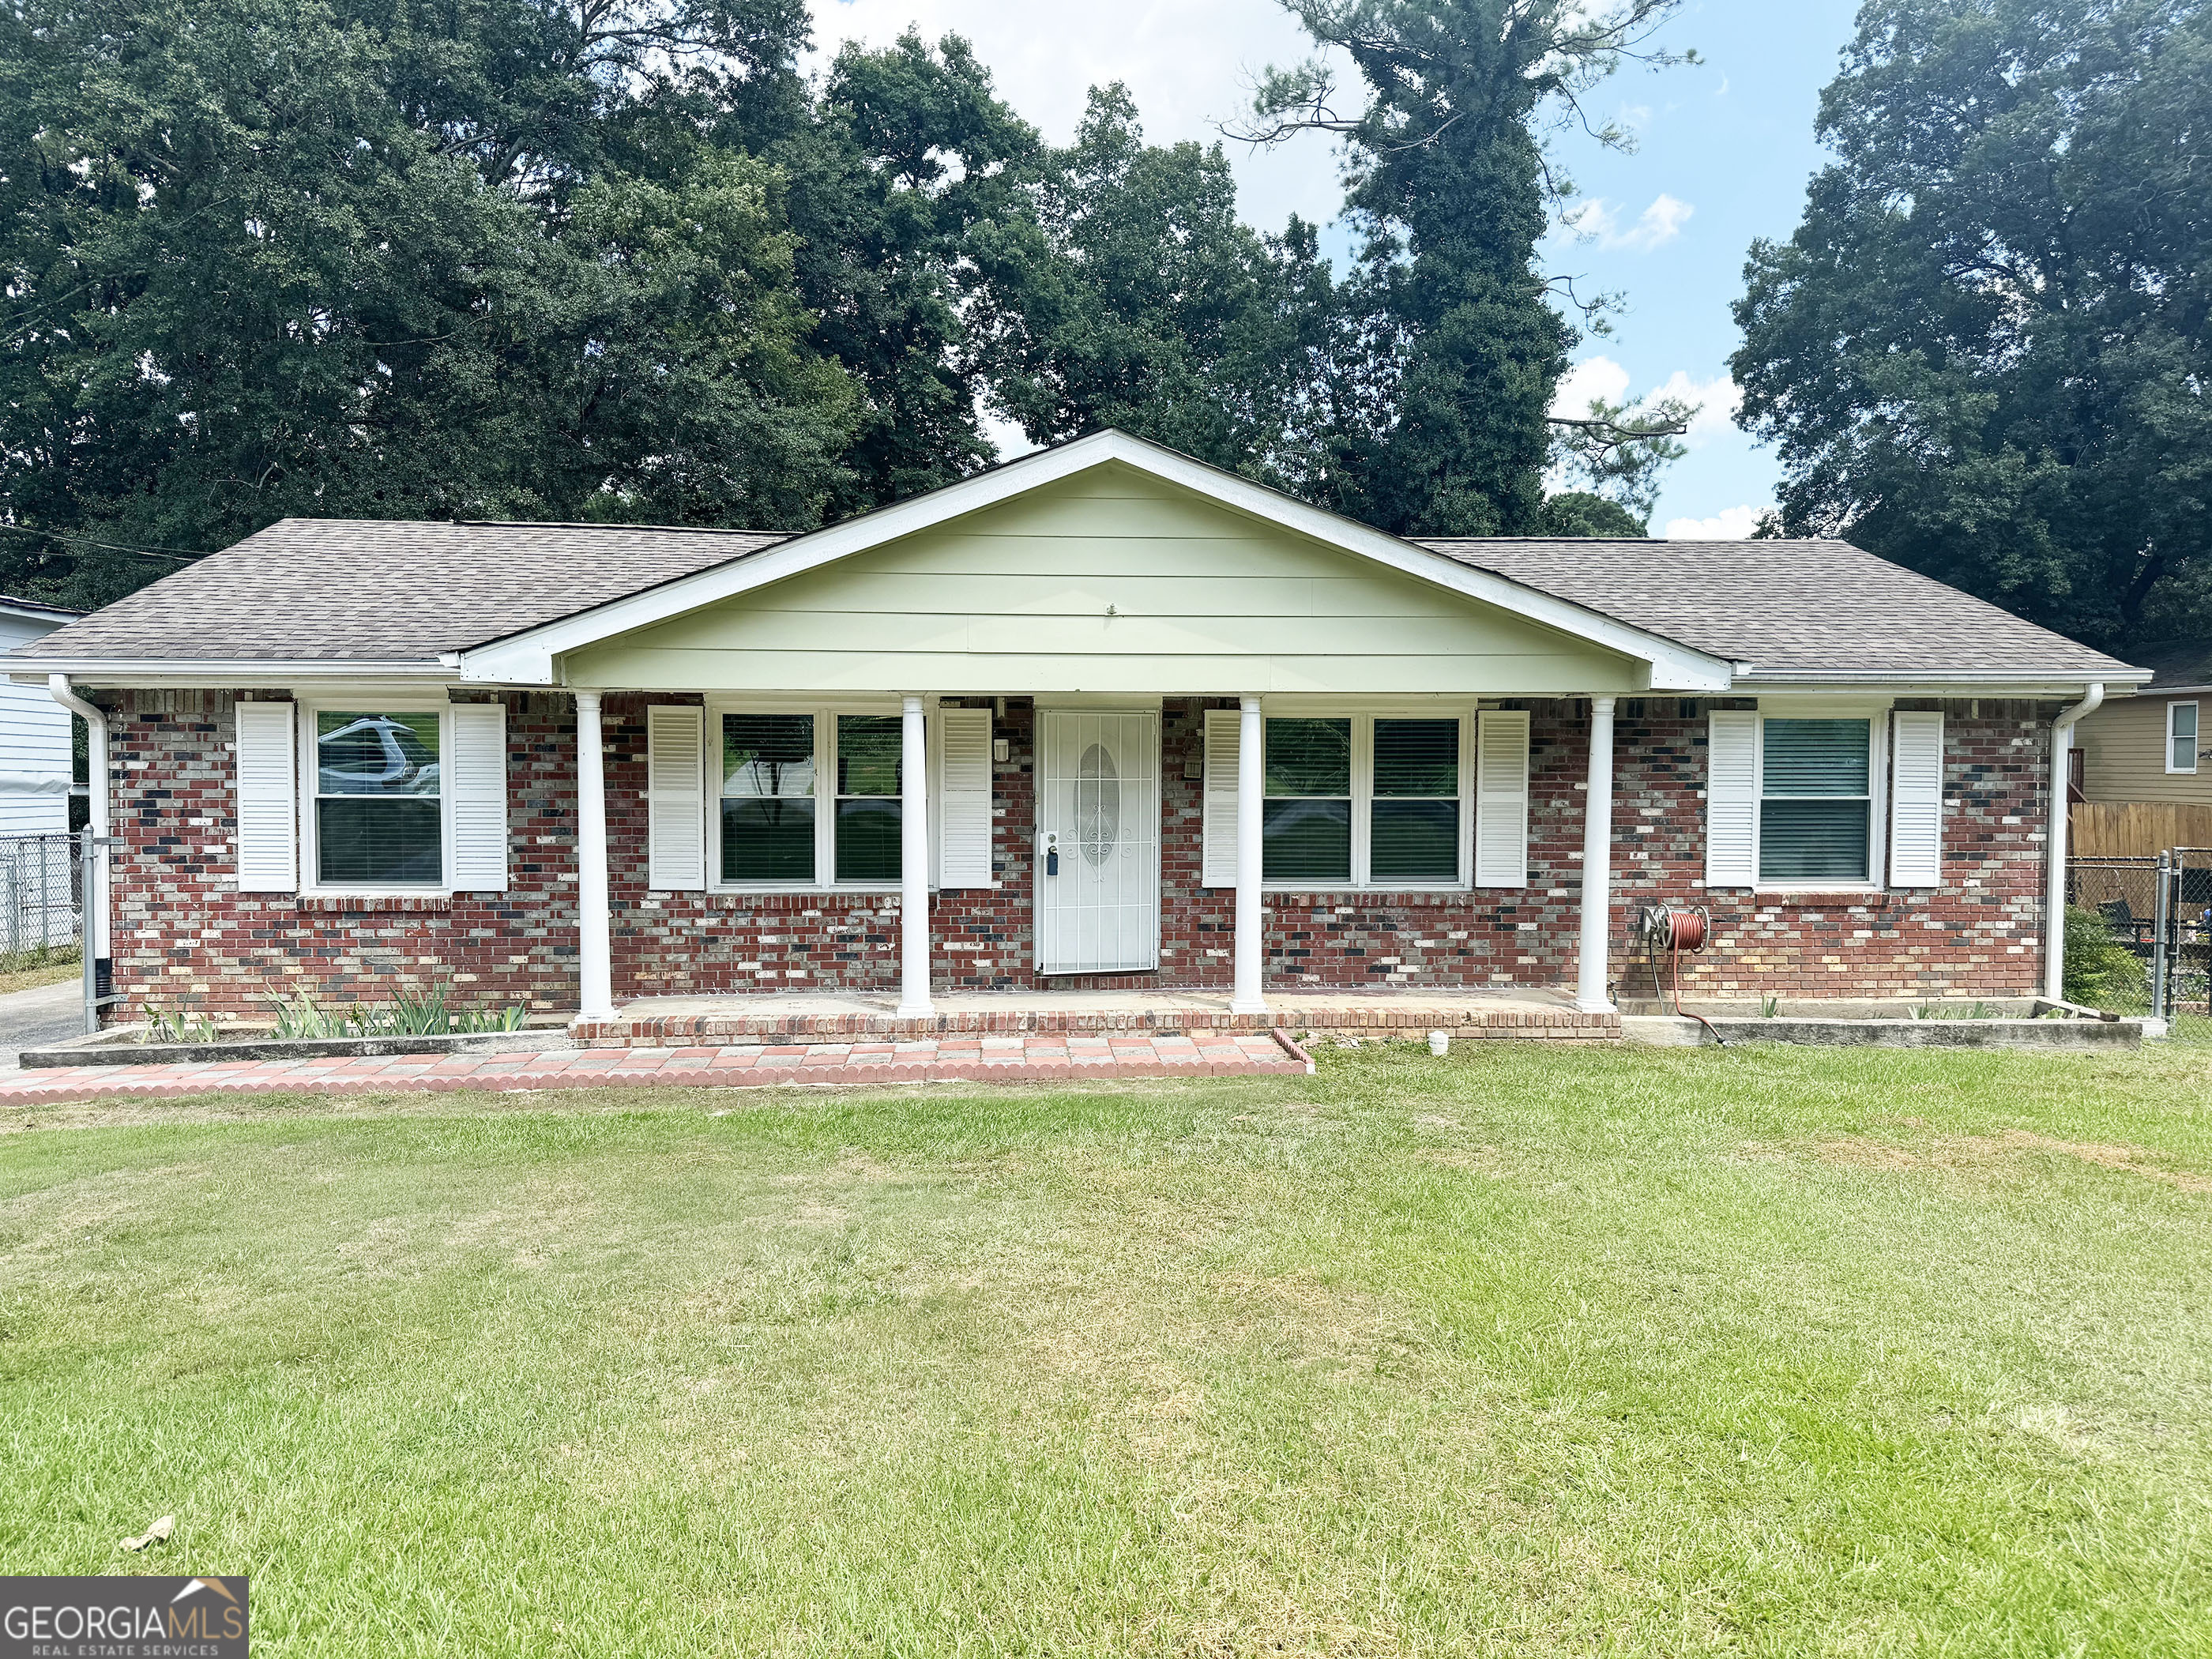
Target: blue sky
x,y
1724,150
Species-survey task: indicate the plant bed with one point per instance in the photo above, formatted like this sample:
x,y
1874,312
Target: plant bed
x,y
1893,1032
128,1047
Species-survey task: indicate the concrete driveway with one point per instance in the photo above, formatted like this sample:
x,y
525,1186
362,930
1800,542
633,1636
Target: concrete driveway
x,y
31,1019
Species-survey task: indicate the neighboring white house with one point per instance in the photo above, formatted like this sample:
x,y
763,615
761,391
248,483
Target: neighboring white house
x,y
35,743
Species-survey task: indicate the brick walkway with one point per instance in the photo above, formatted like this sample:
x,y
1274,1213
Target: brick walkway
x,y
1041,1058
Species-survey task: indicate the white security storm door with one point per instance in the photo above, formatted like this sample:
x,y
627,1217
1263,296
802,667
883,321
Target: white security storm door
x,y
1098,842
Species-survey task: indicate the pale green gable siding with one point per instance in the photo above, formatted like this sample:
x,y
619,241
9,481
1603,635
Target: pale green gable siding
x,y
1109,582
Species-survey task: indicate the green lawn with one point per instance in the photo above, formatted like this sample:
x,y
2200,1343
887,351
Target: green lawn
x,y
1769,1351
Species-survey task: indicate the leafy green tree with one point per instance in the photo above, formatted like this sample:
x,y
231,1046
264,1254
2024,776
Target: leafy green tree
x,y
266,258
1440,399
1984,352
897,184
1134,298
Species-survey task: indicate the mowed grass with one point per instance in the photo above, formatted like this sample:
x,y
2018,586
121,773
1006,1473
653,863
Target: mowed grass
x,y
1766,1352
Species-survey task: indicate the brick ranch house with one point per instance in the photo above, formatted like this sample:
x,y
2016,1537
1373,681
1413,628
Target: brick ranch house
x,y
1102,718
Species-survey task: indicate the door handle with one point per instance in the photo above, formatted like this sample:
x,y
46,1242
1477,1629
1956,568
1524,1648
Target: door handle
x,y
1052,852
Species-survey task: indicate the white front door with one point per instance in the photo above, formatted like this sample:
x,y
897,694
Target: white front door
x,y
1098,842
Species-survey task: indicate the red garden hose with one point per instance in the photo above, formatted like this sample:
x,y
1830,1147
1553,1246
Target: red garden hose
x,y
1680,931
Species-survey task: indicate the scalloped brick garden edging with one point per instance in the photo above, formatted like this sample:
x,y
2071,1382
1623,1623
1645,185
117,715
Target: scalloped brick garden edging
x,y
1041,1058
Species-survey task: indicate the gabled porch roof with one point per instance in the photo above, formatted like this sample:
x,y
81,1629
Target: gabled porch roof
x,y
534,656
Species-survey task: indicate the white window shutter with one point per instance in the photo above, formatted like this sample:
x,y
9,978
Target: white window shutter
x,y
1217,856
675,798
1501,798
1732,799
476,777
268,798
964,798
1915,800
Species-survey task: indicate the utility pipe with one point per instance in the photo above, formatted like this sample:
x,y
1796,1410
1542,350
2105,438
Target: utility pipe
x,y
95,944
2054,898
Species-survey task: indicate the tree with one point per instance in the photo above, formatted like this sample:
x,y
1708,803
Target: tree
x,y
1442,397
266,258
1134,298
897,183
1984,352
1620,452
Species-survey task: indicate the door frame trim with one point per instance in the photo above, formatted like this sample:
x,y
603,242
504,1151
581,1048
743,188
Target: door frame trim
x,y
1101,705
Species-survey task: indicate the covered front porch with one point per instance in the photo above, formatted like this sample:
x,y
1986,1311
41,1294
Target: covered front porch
x,y
1119,870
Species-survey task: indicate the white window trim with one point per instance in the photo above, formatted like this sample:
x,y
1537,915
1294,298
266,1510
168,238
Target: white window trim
x,y
2191,704
825,821
310,704
1877,719
1363,716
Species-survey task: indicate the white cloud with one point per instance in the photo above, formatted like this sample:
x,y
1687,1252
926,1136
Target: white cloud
x,y
1718,401
1189,66
1730,524
1599,220
1593,377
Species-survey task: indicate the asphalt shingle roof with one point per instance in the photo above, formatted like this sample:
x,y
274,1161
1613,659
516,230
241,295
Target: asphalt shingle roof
x,y
375,591
383,590
1791,608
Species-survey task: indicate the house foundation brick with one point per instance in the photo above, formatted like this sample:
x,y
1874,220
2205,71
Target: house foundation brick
x,y
185,938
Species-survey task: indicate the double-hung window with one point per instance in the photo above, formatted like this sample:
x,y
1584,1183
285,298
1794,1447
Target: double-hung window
x,y
768,798
811,800
1363,801
378,807
2181,736
1816,801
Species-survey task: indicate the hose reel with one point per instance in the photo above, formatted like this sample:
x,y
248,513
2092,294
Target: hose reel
x,y
1687,930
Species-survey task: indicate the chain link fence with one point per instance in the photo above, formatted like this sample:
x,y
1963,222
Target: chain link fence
x,y
2161,907
41,901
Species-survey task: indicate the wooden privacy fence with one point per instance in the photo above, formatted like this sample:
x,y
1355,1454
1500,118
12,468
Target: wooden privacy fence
x,y
2134,828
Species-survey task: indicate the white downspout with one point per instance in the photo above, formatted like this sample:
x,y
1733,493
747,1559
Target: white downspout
x,y
2054,898
96,948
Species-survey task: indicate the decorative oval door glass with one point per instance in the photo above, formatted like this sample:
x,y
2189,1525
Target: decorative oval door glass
x,y
1097,804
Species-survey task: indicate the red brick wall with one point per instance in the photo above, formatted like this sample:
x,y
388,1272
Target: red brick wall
x,y
1979,934
184,937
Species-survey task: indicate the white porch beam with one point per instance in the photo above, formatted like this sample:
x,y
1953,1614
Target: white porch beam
x,y
1590,979
914,864
1251,737
594,952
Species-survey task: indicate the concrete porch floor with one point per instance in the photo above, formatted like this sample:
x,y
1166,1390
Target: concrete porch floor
x,y
1514,1012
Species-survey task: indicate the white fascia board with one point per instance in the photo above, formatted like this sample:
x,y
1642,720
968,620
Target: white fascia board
x,y
157,672
527,657
1942,685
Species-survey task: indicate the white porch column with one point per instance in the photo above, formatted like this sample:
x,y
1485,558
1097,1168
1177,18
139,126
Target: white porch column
x,y
914,865
1597,865
1251,779
595,955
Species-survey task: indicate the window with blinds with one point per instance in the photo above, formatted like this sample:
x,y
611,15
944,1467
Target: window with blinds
x,y
1816,801
768,798
1362,801
1413,816
868,808
379,808
1306,822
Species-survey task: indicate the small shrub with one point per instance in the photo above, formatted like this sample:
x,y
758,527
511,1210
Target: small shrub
x,y
2101,971
178,1027
408,1015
